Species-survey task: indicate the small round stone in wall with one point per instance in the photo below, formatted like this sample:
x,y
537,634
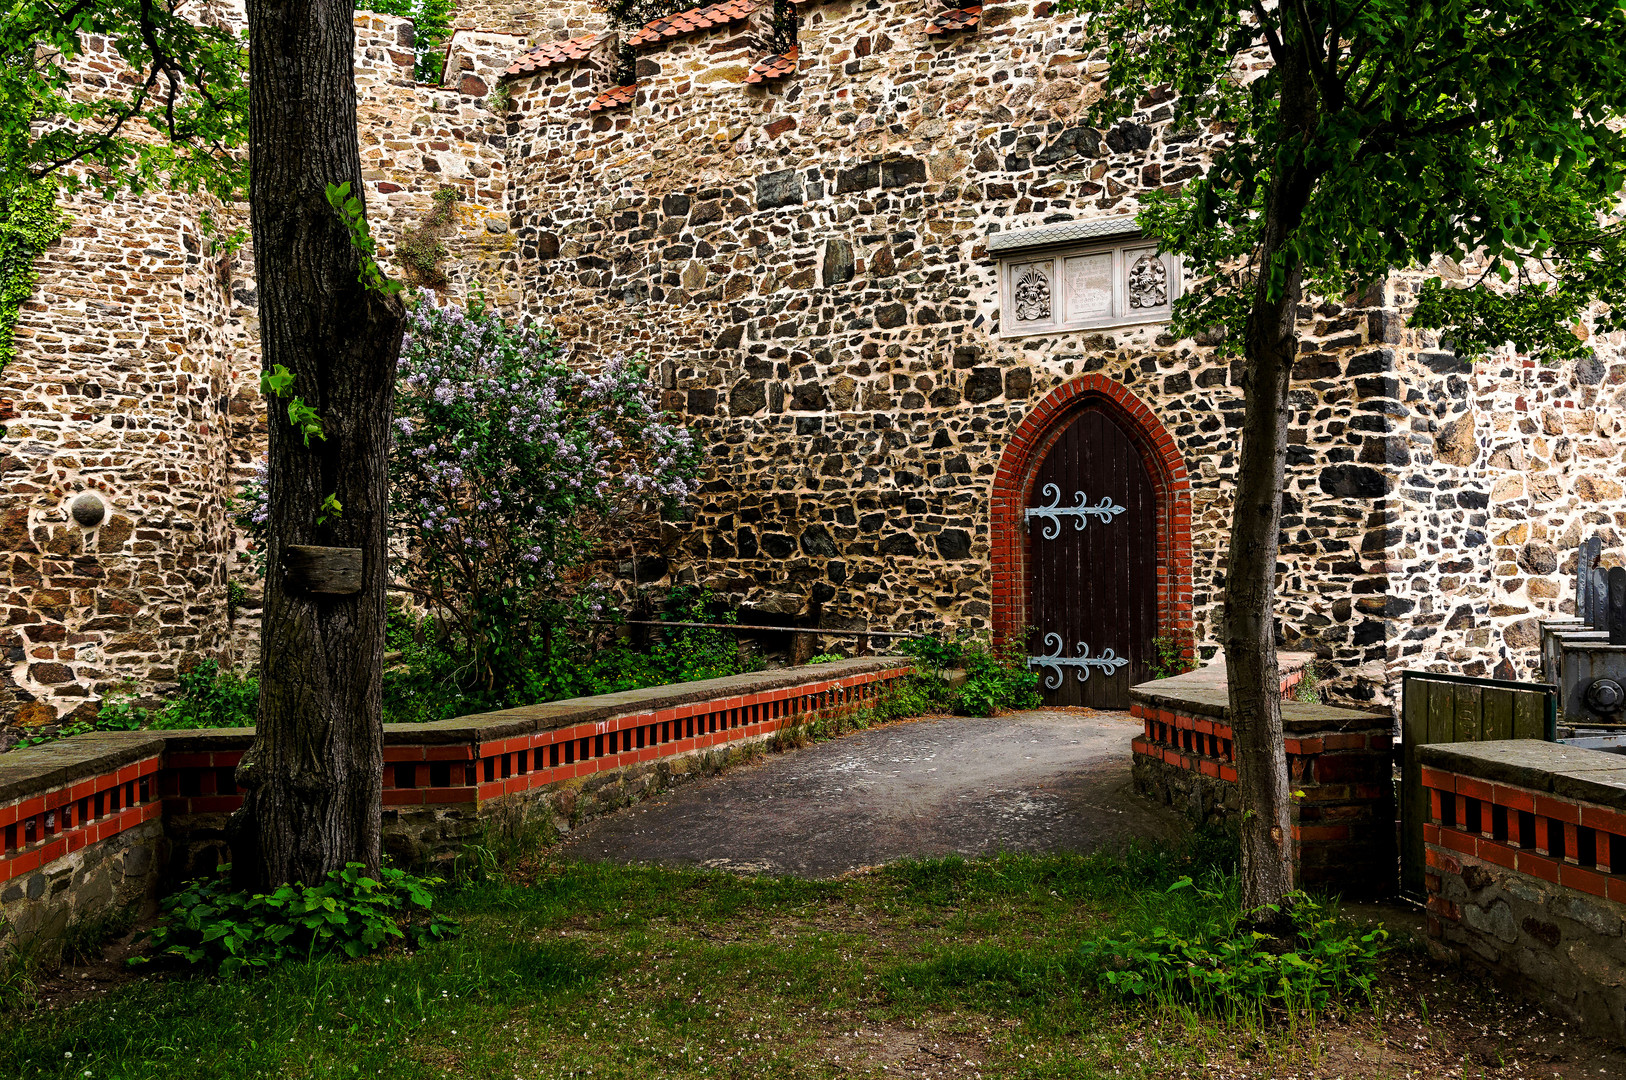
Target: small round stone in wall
x,y
89,509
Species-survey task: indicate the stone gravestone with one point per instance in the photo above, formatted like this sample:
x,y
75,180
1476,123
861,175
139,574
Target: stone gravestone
x,y
1586,559
1617,606
1598,601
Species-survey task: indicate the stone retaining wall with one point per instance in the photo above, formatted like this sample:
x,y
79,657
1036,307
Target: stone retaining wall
x,y
1526,874
1339,765
806,262
101,821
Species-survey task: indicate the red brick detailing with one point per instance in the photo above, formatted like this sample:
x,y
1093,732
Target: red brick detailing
x,y
41,827
1013,489
1558,823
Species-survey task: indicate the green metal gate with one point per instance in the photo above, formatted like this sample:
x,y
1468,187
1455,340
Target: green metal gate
x,y
1456,708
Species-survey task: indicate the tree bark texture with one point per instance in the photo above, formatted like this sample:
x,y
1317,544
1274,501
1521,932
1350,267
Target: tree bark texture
x,y
312,779
1252,675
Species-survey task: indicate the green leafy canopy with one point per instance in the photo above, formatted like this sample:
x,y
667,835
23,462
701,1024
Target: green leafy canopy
x,y
168,107
1384,134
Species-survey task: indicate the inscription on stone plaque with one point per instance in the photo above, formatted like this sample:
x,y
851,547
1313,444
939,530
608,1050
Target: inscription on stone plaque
x,y
1089,286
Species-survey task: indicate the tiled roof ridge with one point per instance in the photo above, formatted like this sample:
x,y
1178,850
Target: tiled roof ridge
x,y
961,18
614,98
553,53
775,66
699,18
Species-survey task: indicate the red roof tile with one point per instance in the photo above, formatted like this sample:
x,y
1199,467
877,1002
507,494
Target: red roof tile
x,y
773,67
554,53
614,99
959,19
700,18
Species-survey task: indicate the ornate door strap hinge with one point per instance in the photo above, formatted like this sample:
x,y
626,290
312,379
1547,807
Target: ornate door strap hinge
x,y
1108,662
1106,510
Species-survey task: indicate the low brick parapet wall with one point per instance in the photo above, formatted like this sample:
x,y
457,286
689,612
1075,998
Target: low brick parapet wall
x,y
100,820
1526,870
1339,761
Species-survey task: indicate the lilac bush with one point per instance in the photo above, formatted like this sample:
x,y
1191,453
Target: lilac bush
x,y
507,452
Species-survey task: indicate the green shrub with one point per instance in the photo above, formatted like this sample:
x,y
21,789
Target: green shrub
x,y
208,925
996,680
1216,964
210,697
1168,658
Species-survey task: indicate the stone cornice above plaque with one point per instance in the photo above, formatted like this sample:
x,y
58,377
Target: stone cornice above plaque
x,y
1120,227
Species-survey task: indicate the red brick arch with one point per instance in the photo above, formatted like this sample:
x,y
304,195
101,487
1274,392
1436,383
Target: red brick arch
x,y
1013,490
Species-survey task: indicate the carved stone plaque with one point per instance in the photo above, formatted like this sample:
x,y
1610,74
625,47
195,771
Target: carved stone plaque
x,y
1089,286
1030,291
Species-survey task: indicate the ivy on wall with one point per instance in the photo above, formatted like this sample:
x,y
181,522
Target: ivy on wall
x,y
29,223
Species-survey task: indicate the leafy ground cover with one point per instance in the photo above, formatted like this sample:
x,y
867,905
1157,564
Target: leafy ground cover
x,y
948,969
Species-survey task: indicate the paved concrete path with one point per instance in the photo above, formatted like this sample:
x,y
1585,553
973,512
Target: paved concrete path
x,y
1030,782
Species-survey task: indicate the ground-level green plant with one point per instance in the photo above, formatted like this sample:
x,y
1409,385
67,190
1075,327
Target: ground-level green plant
x,y
696,975
1223,967
208,925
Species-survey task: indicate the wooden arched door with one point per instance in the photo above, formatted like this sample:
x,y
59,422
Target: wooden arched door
x,y
1092,566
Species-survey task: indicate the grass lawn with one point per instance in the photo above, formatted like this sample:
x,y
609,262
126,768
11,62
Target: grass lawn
x,y
933,969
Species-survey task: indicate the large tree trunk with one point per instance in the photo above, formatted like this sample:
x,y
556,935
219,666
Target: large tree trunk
x,y
314,775
1254,682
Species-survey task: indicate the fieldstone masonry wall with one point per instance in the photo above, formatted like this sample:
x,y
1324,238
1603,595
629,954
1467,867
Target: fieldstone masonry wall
x,y
805,262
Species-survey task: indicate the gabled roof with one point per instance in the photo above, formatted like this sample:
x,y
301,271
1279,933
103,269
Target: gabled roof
x,y
773,67
554,53
613,99
700,18
959,19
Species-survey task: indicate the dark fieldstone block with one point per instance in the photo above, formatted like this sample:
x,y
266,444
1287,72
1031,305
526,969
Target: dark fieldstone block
x,y
746,541
809,397
1445,363
1129,136
675,205
782,188
1473,500
903,172
822,593
859,178
891,316
816,541
1589,371
1354,482
965,356
838,262
945,397
984,384
706,212
778,545
1070,143
730,338
702,402
547,246
1018,382
747,398
1371,363
954,544
899,544
1178,383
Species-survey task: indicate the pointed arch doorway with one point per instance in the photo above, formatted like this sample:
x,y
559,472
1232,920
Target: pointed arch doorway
x,y
1092,542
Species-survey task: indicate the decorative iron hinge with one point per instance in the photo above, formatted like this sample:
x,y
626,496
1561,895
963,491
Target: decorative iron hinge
x,y
1108,662
1106,510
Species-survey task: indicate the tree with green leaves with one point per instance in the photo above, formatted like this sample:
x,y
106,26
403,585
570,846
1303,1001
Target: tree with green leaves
x,y
179,123
174,109
1352,139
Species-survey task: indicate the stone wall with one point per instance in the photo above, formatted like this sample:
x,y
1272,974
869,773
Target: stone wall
x,y
1526,871
805,261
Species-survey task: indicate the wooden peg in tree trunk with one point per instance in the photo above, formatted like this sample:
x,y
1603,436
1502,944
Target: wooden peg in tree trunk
x,y
321,571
